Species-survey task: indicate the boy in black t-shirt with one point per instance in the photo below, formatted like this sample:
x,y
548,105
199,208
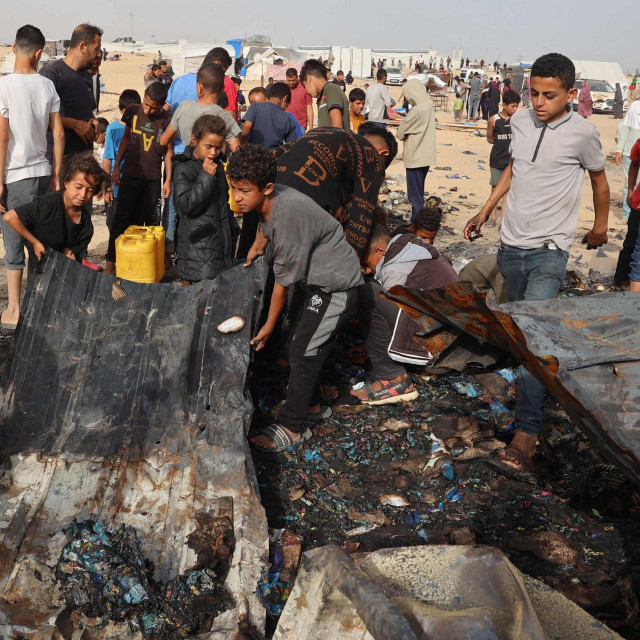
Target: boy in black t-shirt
x,y
61,220
140,189
499,135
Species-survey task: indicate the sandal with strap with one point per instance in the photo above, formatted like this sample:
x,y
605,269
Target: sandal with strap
x,y
279,436
390,393
518,455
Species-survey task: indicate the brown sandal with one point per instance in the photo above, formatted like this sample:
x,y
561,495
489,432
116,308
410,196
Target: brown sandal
x,y
517,454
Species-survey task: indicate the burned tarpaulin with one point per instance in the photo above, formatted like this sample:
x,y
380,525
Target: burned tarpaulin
x,y
585,350
124,403
436,592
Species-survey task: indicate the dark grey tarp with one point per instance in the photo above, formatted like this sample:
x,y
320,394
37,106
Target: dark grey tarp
x,y
585,350
129,410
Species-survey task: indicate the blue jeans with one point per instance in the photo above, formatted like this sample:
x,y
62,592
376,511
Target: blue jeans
x,y
626,163
531,274
415,189
169,218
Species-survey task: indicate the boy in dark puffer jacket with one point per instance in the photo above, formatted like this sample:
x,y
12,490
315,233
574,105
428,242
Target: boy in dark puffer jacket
x,y
207,230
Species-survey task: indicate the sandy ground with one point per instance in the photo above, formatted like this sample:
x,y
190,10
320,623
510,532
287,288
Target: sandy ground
x,y
471,193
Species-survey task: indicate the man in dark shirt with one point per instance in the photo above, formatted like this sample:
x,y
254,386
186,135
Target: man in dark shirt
x,y
74,86
339,80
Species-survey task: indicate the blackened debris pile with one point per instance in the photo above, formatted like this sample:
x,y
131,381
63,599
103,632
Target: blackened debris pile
x,y
423,473
104,575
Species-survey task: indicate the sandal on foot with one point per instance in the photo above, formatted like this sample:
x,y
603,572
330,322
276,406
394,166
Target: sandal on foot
x,y
390,393
324,413
279,436
516,454
8,326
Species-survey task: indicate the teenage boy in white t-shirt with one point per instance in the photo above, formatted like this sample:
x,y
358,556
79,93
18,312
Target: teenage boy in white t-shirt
x,y
25,172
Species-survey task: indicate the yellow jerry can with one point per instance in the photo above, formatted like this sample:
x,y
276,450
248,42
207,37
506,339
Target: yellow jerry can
x,y
136,257
158,233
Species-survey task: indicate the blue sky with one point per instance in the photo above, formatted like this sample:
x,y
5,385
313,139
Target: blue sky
x,y
581,29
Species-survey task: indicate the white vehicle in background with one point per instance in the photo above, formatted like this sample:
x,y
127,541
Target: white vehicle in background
x,y
602,94
394,75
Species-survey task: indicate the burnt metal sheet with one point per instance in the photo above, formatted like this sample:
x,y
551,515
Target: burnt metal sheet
x,y
585,350
129,411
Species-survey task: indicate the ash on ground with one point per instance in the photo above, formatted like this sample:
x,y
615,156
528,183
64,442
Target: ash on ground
x,y
423,473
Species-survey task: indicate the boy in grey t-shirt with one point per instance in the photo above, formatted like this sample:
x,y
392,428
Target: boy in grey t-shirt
x,y
310,251
551,147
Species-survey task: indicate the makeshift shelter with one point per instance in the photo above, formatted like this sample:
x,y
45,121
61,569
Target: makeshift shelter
x,y
354,59
188,57
9,63
610,72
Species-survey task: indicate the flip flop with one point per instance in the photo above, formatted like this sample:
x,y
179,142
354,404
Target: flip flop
x,y
324,413
278,435
7,326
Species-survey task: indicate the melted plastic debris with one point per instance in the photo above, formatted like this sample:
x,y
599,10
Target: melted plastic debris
x,y
103,574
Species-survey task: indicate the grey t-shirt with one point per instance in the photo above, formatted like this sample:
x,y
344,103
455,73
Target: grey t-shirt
x,y
549,162
308,245
378,99
189,111
476,86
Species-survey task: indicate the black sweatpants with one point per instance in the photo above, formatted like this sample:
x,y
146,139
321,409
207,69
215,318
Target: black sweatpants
x,y
623,268
139,203
315,332
377,320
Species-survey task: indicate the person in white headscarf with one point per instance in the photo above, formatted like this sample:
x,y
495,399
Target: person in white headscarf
x,y
628,133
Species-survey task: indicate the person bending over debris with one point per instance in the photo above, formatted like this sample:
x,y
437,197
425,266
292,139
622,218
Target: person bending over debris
x,y
310,251
426,224
389,332
61,219
551,147
341,172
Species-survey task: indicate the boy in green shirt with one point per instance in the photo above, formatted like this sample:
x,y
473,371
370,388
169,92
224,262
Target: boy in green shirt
x,y
333,105
458,105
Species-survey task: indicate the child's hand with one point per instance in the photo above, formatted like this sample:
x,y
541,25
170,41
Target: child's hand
x,y
209,166
166,189
108,196
262,338
39,250
69,254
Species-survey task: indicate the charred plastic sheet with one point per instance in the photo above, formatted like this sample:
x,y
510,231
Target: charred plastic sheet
x,y
436,592
129,411
585,350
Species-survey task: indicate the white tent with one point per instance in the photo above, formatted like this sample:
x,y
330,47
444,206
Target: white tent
x,y
10,60
353,59
610,72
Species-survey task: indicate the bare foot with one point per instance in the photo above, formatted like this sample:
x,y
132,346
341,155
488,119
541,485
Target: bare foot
x,y
9,318
110,267
265,442
361,394
520,457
